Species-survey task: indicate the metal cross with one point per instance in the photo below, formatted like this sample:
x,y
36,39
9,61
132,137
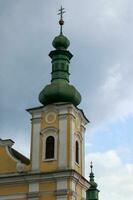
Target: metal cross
x,y
91,166
61,22
61,12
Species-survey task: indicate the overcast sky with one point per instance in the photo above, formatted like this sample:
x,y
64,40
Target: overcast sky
x,y
101,36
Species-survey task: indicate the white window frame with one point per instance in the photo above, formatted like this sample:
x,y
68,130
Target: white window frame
x,y
45,134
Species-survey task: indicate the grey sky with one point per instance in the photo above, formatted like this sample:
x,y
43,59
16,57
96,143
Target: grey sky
x,y
101,39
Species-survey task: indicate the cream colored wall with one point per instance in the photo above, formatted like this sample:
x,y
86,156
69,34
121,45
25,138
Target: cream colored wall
x,y
20,199
7,163
47,190
48,166
13,189
53,165
48,197
68,111
78,135
76,187
79,192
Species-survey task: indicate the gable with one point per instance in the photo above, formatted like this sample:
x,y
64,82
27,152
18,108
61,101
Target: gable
x,y
10,159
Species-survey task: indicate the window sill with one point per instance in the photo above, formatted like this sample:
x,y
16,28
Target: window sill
x,y
49,159
77,164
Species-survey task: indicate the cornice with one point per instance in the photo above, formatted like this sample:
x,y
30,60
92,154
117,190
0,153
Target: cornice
x,y
28,177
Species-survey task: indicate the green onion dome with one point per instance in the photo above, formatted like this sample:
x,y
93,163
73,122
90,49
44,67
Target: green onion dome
x,y
60,90
61,42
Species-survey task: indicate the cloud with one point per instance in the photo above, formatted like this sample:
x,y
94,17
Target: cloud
x,y
112,175
113,100
101,47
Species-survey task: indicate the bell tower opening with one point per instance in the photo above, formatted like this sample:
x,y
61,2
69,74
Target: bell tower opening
x,y
50,143
77,152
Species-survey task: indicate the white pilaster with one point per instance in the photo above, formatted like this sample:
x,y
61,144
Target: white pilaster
x,y
83,194
83,155
62,189
33,191
72,140
73,191
62,141
35,143
33,187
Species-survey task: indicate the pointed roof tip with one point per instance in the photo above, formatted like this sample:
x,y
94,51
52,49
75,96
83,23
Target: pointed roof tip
x,y
92,192
91,166
61,21
92,176
91,173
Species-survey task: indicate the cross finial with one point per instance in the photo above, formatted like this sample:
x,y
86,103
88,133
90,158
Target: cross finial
x,y
91,166
61,22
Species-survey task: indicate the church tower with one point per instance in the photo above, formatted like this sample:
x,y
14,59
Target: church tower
x,y
58,128
56,168
92,193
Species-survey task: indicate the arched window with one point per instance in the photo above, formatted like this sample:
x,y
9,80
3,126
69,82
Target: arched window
x,y
77,152
50,143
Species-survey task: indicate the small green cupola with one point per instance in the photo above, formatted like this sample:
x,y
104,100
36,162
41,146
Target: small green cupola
x,y
59,90
92,193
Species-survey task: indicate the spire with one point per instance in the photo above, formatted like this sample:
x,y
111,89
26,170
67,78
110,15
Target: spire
x,y
60,90
92,192
91,174
61,21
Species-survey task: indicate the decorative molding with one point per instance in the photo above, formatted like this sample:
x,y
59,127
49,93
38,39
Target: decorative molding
x,y
13,196
32,177
62,116
63,192
49,108
74,194
35,110
45,134
79,136
50,117
48,130
7,142
20,167
11,156
62,108
83,129
33,195
36,120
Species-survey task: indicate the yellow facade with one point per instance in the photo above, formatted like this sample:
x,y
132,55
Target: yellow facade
x,y
7,164
13,189
38,178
